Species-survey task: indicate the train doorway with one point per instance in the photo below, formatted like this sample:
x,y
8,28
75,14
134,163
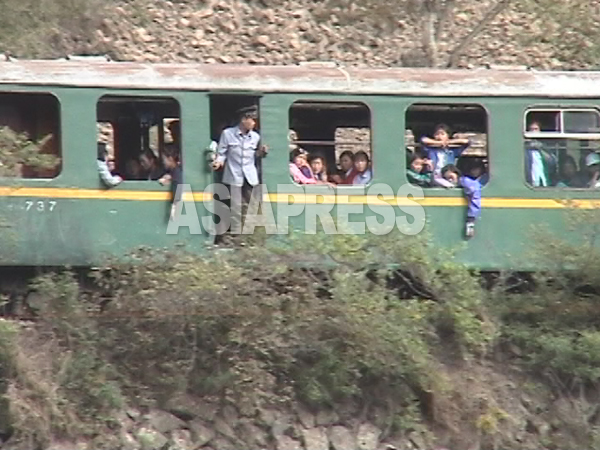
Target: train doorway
x,y
225,112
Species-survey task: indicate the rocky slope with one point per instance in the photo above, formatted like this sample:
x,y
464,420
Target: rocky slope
x,y
291,31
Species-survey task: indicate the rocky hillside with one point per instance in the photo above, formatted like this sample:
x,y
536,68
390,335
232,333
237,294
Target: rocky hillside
x,y
541,34
290,31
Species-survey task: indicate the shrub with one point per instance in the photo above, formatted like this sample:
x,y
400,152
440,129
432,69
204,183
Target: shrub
x,y
260,327
49,28
16,150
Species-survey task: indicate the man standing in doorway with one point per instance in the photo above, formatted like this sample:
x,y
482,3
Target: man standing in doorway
x,y
237,151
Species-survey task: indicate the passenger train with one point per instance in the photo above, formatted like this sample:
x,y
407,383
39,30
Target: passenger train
x,y
66,216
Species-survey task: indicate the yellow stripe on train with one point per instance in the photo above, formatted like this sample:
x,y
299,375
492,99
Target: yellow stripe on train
x,y
306,198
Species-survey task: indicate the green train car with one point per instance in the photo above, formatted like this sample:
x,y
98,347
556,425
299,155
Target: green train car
x,y
66,216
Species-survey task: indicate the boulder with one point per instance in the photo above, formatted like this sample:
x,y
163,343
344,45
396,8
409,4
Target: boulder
x,y
341,438
182,440
128,442
326,418
368,436
163,422
66,445
188,408
222,443
287,443
251,435
306,418
315,439
201,434
280,425
230,415
150,439
225,429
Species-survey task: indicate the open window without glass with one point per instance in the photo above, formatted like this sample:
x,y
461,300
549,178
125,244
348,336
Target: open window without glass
x,y
136,131
330,142
438,136
29,135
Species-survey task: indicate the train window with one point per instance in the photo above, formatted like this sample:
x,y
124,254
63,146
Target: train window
x,y
326,137
29,135
136,131
438,135
562,147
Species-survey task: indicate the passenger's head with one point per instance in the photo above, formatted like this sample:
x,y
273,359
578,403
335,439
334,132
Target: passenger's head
x,y
317,164
147,160
133,169
248,118
170,158
451,173
441,132
346,160
299,157
361,161
175,130
292,136
535,127
592,163
476,169
416,162
568,167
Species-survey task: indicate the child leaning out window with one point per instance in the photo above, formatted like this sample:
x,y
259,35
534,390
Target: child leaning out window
x,y
472,190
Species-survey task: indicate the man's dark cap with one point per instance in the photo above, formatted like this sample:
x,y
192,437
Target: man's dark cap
x,y
248,111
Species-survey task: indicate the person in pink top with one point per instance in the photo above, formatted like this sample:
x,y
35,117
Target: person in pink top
x,y
300,169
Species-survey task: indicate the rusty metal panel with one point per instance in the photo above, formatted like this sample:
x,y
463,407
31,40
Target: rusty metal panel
x,y
302,79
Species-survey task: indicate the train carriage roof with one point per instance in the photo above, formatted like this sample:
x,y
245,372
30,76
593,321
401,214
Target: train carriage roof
x,y
306,78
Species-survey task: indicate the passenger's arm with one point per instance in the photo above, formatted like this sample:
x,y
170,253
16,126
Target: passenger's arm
x,y
299,177
107,178
420,179
462,144
176,182
439,181
429,142
459,141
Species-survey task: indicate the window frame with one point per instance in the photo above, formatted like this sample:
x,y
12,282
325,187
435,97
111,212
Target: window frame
x,y
134,98
560,134
59,138
417,143
526,135
362,103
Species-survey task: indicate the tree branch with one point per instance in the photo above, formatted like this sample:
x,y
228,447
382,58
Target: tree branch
x,y
443,17
484,22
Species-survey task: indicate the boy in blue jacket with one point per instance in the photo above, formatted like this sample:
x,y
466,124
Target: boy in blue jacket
x,y
472,189
442,150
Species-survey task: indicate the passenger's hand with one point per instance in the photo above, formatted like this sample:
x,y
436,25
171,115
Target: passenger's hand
x,y
216,165
119,179
165,180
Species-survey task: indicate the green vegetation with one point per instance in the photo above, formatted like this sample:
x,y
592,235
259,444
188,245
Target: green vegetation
x,y
18,150
260,329
48,28
557,324
252,327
